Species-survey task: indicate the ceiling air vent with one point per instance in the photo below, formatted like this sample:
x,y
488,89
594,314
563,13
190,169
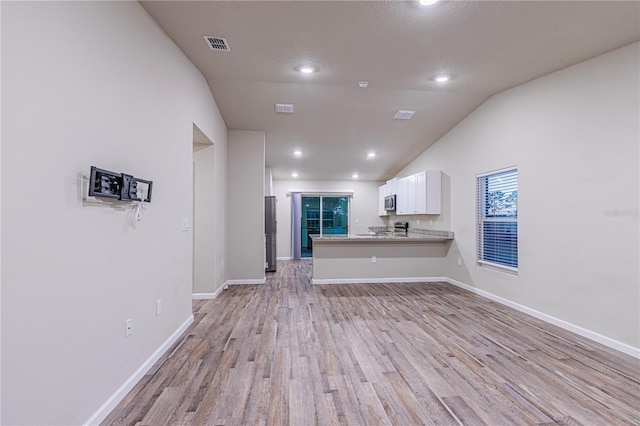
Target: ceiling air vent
x,y
284,108
217,43
404,114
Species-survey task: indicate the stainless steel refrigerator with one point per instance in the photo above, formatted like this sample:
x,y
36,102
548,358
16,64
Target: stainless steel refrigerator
x,y
270,226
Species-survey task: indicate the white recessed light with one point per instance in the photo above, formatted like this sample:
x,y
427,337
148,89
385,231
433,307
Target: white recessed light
x,y
363,84
307,69
427,2
371,155
442,78
297,153
294,174
355,176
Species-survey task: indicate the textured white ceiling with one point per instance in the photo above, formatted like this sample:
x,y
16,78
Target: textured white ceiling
x,y
397,46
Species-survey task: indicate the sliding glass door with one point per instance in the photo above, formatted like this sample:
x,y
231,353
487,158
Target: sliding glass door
x,y
322,215
310,223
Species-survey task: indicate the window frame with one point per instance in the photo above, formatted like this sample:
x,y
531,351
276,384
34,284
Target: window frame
x,y
482,218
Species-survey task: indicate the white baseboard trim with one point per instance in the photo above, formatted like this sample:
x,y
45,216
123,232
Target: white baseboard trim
x,y
377,280
243,282
591,335
210,295
284,258
200,296
123,390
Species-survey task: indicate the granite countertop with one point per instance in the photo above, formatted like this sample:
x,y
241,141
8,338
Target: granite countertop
x,y
415,235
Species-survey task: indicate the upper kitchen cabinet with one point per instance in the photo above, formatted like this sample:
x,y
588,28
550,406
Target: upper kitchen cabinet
x,y
429,192
406,195
392,186
382,192
420,193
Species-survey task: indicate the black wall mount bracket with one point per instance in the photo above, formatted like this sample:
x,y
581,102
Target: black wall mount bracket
x,y
119,186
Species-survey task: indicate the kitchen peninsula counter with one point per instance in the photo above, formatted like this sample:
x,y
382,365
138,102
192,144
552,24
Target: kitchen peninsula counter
x,y
419,255
387,237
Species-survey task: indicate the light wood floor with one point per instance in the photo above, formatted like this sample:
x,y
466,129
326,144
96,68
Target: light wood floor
x,y
289,353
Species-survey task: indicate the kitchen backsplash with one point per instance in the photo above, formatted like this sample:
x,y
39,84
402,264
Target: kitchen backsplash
x,y
432,232
429,232
439,222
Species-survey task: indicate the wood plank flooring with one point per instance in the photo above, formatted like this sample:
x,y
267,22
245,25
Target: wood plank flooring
x,y
289,353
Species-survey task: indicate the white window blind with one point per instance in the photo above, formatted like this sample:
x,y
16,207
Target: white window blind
x,y
497,219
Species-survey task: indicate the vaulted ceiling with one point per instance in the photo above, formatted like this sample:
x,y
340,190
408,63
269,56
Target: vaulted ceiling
x,y
398,47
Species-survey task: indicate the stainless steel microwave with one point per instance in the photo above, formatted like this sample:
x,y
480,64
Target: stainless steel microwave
x,y
390,203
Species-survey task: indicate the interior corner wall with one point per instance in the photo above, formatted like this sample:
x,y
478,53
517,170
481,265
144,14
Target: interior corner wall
x,y
245,205
75,268
268,182
573,136
364,206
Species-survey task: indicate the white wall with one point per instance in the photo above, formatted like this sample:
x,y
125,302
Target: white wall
x,y
574,137
92,83
268,182
364,206
245,205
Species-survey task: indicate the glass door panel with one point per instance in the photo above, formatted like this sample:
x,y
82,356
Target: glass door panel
x,y
310,224
335,215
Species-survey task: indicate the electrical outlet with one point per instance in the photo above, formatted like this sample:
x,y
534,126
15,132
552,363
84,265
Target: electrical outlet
x,y
418,222
357,220
128,328
459,261
185,224
374,259
158,307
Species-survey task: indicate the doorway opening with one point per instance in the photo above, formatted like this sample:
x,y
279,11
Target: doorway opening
x,y
204,214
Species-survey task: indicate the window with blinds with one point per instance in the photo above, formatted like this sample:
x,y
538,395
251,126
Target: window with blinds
x,y
497,218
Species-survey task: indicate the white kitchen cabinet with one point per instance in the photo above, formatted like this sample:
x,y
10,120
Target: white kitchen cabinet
x,y
420,193
433,192
411,189
382,192
403,196
392,186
